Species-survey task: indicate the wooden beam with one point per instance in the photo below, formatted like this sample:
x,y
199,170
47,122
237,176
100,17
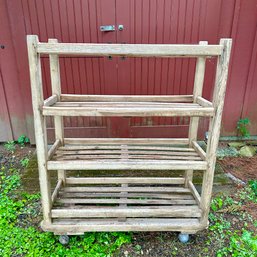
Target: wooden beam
x,y
194,121
53,148
162,211
123,201
127,98
137,180
194,192
51,100
126,189
126,165
74,226
39,125
131,50
214,133
129,141
161,111
56,89
203,102
199,150
56,190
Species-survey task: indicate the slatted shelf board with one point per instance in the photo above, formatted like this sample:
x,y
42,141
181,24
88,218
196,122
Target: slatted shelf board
x,y
111,105
124,154
123,204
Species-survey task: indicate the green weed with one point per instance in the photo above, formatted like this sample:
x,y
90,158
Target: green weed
x,y
253,186
18,240
24,162
10,146
228,240
22,140
242,127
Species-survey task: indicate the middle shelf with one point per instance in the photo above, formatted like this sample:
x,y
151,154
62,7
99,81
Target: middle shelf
x,y
115,105
126,154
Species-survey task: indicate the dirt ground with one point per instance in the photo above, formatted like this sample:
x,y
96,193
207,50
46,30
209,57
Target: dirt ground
x,y
244,168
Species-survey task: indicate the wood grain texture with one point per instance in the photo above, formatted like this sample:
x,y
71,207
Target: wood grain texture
x,y
75,226
197,92
126,165
40,125
129,141
127,110
131,50
170,211
127,98
56,89
214,133
138,180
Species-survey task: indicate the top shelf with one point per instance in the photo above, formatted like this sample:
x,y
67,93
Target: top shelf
x,y
125,105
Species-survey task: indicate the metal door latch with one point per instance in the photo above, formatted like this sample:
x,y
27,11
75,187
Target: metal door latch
x,y
107,28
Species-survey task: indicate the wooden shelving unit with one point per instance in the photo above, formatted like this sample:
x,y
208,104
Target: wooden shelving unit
x,y
80,204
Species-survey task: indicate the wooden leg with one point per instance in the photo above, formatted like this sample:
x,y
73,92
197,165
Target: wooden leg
x,y
188,177
44,177
59,134
207,193
39,125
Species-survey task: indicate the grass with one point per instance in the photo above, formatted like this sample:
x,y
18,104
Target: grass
x,y
19,238
238,239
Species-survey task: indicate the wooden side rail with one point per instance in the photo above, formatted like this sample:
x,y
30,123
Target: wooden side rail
x,y
199,150
53,148
57,189
138,180
195,193
131,50
127,98
131,141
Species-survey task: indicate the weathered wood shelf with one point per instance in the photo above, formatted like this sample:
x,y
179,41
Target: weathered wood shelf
x,y
97,105
80,204
141,204
124,154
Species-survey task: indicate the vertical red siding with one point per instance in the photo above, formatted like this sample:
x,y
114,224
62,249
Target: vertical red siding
x,y
145,21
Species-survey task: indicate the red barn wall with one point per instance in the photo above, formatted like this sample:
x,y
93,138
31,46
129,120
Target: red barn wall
x,y
145,21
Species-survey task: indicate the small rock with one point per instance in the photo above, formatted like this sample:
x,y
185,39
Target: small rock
x,y
236,144
247,151
126,253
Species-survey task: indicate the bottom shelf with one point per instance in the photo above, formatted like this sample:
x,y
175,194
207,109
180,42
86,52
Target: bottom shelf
x,y
124,204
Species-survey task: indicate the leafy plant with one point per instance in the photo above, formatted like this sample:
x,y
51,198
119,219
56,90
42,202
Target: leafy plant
x,y
242,127
240,245
249,192
22,140
25,162
19,239
9,146
253,186
216,204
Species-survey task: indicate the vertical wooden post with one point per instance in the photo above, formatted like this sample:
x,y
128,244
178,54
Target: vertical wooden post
x,y
40,125
214,132
56,89
194,121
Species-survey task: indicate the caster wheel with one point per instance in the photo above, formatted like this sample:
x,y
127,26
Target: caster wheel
x,y
183,238
64,239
